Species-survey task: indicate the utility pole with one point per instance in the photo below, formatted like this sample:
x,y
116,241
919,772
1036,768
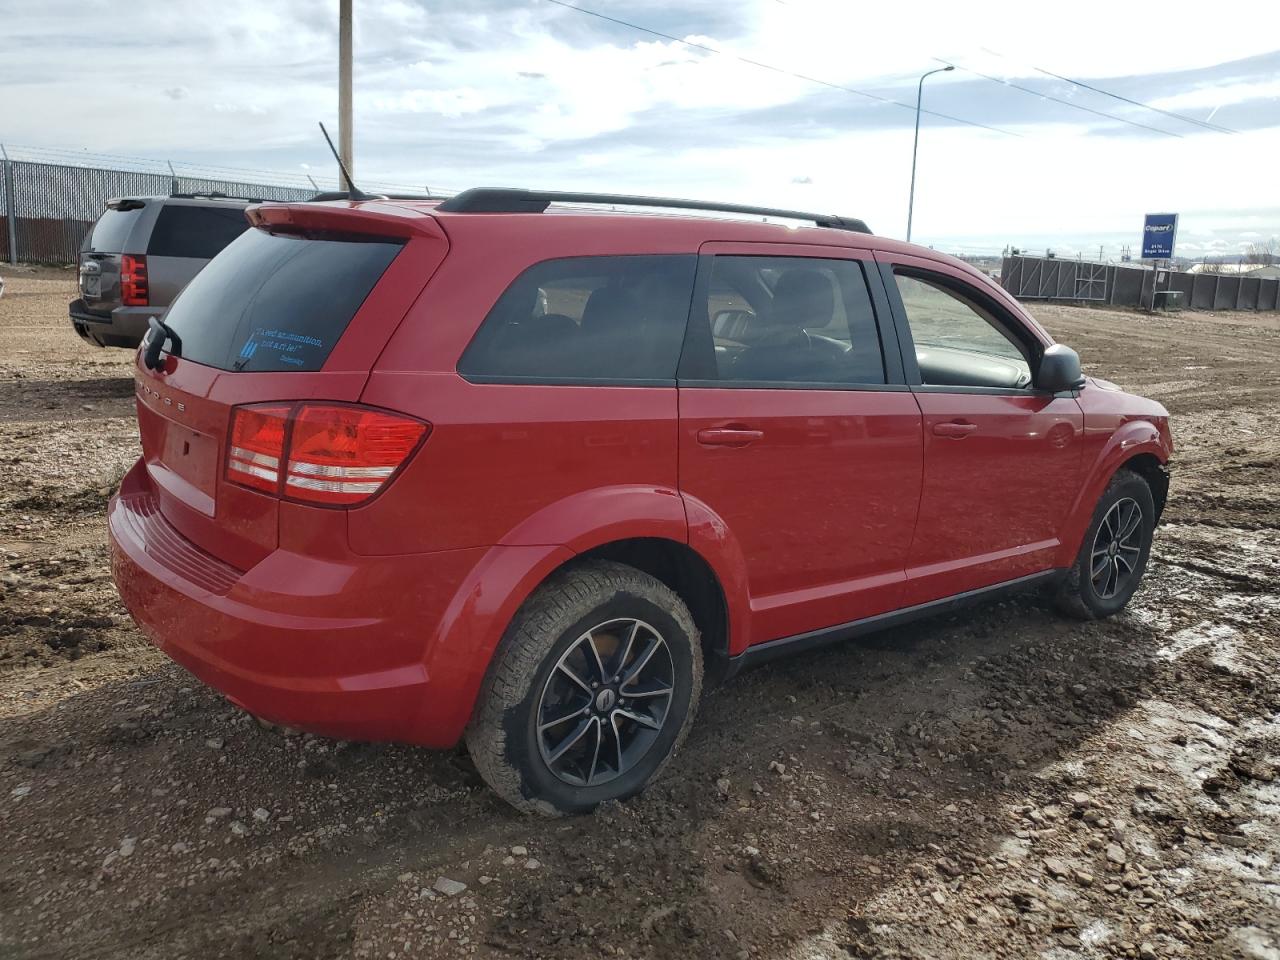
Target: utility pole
x,y
915,145
11,214
345,129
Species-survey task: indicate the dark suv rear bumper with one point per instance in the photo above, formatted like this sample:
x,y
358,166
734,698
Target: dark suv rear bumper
x,y
124,327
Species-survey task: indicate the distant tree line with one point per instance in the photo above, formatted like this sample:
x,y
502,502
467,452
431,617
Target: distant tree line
x,y
1264,251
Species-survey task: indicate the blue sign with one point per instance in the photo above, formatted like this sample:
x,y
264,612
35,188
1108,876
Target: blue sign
x,y
1159,232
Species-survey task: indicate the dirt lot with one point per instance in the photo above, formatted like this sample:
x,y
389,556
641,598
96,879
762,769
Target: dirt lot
x,y
997,783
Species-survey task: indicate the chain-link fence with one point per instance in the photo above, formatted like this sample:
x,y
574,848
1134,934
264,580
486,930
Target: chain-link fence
x,y
49,199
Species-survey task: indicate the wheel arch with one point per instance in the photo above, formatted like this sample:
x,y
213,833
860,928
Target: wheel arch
x,y
699,556
1155,472
462,652
692,578
1138,446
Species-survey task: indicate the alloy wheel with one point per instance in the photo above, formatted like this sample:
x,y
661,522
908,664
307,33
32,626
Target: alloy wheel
x,y
605,702
1117,546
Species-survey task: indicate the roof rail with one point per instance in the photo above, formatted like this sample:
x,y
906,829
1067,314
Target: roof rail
x,y
344,195
213,195
503,200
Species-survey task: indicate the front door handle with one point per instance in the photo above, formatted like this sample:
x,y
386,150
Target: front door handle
x,y
729,436
956,429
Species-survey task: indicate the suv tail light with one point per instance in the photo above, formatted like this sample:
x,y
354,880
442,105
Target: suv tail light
x,y
133,281
257,446
328,454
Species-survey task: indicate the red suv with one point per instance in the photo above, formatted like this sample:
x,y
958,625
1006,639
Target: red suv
x,y
515,466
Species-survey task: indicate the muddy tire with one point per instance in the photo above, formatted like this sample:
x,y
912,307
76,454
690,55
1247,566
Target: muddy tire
x,y
590,693
1113,555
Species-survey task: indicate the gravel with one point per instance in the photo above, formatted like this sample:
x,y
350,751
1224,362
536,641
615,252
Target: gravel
x,y
994,783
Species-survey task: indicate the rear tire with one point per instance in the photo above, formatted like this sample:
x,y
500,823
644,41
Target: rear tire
x,y
569,716
1113,556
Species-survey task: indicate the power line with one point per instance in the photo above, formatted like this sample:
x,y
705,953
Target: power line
x,y
1137,103
1115,96
780,70
1045,96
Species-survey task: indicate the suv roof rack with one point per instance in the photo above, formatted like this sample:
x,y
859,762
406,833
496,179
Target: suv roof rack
x,y
344,195
506,200
212,195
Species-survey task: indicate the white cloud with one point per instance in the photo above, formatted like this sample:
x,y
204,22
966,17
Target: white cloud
x,y
1219,95
532,93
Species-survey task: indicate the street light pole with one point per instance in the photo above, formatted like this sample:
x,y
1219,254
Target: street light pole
x,y
345,131
915,145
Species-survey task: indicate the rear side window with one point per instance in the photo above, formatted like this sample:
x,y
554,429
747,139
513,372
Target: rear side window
x,y
276,302
111,233
787,320
200,232
587,318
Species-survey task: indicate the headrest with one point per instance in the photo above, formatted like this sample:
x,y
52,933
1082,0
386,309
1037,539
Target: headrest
x,y
802,298
608,306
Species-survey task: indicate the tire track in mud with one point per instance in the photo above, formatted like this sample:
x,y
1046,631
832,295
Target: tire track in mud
x,y
819,803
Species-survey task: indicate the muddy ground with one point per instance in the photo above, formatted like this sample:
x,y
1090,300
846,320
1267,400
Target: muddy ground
x,y
997,783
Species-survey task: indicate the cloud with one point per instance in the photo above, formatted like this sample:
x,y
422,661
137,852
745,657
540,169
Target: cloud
x,y
528,92
1215,96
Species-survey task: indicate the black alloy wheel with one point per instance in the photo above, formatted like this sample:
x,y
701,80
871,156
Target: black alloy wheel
x,y
605,703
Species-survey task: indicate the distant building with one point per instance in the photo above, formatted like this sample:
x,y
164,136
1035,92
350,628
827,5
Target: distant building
x,y
1259,271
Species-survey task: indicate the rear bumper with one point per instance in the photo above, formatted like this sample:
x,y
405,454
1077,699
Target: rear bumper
x,y
356,648
125,327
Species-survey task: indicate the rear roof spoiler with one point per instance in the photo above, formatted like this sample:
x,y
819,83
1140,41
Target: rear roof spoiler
x,y
369,219
489,200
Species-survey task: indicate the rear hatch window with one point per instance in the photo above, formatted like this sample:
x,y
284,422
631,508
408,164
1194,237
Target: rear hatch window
x,y
111,232
277,302
198,232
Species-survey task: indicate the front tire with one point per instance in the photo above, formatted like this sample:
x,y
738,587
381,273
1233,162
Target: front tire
x,y
1113,556
590,693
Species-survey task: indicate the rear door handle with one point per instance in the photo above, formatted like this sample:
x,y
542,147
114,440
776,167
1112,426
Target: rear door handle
x,y
955,429
729,436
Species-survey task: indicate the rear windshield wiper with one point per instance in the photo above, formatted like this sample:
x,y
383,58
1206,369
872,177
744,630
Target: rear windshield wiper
x,y
160,333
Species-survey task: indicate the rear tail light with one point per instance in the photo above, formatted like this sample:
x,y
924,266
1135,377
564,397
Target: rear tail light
x,y
330,454
257,446
133,281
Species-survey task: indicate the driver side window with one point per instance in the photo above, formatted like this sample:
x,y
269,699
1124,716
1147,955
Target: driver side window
x,y
959,342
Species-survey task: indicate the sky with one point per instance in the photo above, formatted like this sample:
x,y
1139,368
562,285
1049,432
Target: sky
x,y
765,102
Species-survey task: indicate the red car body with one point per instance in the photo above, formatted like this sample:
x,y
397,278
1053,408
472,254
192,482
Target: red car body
x,y
806,513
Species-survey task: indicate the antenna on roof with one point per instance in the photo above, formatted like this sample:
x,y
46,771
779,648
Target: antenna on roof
x,y
355,193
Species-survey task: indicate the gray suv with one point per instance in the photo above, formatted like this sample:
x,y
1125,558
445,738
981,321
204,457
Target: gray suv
x,y
141,253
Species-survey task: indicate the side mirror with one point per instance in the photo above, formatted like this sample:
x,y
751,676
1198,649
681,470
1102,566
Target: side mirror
x,y
1059,370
